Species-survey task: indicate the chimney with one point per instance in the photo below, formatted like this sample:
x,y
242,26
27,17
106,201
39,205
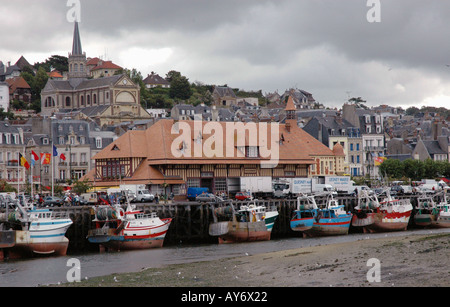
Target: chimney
x,y
288,127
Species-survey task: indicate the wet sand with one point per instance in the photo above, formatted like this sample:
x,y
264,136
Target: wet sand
x,y
409,261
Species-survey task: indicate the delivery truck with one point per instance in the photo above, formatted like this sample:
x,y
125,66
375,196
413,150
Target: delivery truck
x,y
292,187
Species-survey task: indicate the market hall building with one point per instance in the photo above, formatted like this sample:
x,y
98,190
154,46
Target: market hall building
x,y
166,159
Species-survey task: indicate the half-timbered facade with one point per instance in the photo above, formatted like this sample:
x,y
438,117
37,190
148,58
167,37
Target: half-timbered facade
x,y
179,155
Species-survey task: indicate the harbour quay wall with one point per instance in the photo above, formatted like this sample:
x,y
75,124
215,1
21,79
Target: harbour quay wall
x,y
190,220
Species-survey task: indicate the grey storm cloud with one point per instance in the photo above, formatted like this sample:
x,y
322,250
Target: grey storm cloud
x,y
327,47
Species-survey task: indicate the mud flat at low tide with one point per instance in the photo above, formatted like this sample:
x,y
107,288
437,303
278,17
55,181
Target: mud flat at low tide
x,y
408,261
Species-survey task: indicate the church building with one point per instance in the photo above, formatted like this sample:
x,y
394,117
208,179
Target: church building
x,y
109,100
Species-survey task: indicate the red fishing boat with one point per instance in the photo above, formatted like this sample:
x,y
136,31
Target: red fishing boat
x,y
389,214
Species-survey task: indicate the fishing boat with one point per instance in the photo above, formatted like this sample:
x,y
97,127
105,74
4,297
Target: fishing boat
x,y
427,211
116,229
379,216
314,221
250,223
31,232
430,214
303,218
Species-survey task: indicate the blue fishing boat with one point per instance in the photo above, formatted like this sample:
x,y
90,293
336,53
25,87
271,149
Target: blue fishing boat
x,y
314,221
303,218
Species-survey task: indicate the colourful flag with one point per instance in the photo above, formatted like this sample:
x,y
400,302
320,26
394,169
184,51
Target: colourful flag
x,y
55,151
23,162
46,158
63,157
34,158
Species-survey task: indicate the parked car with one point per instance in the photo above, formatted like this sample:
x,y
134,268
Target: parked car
x,y
208,197
397,190
244,196
192,193
53,201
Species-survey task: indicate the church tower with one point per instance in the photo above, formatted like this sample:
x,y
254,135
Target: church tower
x,y
77,59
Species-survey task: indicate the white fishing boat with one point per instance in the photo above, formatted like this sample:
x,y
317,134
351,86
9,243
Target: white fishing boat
x,y
116,229
36,232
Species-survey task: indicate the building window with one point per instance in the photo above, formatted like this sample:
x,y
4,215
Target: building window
x,y
193,183
252,152
220,185
289,174
67,101
351,146
98,142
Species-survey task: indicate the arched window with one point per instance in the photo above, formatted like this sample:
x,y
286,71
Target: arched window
x,y
81,67
75,68
82,100
88,100
95,98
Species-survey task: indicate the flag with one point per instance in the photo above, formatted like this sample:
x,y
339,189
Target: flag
x,y
23,162
45,158
34,158
63,157
55,151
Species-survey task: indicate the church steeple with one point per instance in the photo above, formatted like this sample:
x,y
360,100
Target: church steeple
x,y
77,59
76,47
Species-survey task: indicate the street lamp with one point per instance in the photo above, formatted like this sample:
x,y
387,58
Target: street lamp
x,y
53,158
69,147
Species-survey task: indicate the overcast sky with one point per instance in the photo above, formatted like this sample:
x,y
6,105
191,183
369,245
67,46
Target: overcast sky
x,y
326,47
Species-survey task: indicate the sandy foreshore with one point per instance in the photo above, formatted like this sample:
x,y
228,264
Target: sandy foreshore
x,y
408,261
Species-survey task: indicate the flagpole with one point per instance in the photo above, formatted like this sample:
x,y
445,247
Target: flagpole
x,y
31,179
53,172
18,174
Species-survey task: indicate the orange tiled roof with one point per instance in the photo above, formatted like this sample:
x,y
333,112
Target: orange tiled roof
x,y
55,74
106,65
17,82
155,144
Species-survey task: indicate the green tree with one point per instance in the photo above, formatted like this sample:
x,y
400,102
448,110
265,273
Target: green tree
x,y
414,169
392,168
412,111
359,102
55,62
180,88
81,186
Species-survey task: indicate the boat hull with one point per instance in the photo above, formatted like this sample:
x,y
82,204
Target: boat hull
x,y
432,221
330,226
236,232
386,222
363,219
302,224
131,238
31,250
